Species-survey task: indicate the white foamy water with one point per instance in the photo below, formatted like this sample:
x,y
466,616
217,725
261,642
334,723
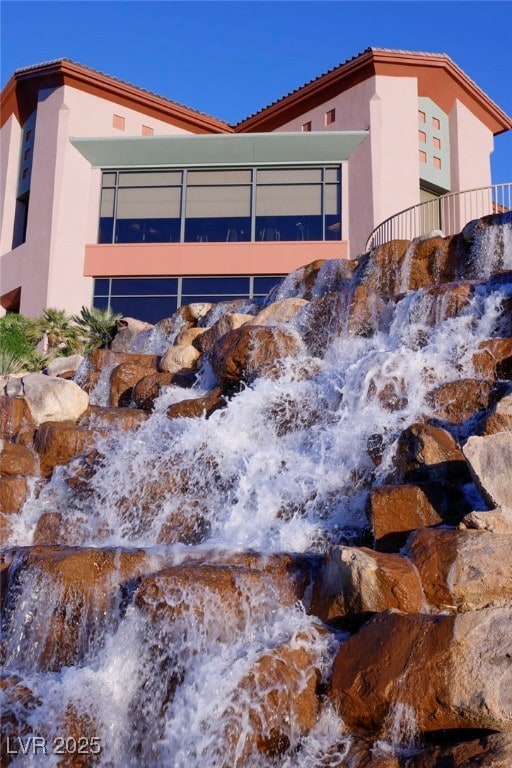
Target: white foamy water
x,y
284,468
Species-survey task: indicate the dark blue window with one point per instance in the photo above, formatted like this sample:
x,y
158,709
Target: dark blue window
x,y
144,286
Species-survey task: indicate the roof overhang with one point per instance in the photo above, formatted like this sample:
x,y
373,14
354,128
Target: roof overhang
x,y
220,150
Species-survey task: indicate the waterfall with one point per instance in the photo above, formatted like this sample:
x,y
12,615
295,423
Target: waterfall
x,y
163,666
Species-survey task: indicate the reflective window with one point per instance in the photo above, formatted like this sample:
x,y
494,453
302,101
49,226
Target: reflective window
x,y
130,286
221,205
150,309
212,285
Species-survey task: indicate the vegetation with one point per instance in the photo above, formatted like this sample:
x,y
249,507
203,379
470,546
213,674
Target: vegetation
x,y
98,326
29,345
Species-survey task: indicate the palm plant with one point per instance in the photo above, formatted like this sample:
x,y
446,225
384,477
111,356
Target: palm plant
x,y
97,326
15,346
57,332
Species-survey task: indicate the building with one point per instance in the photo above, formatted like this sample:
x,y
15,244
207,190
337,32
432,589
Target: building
x,y
115,196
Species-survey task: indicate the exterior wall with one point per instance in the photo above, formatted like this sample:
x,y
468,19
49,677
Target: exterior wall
x,y
10,138
64,197
383,173
471,146
267,258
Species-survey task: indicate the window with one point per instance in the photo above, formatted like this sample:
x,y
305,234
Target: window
x,y
153,298
147,130
422,136
28,135
306,127
437,162
330,116
118,122
436,142
221,205
421,116
436,123
423,156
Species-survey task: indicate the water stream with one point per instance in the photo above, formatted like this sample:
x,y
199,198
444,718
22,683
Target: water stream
x,y
285,468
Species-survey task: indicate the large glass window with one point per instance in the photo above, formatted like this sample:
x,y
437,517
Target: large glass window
x,y
153,298
221,205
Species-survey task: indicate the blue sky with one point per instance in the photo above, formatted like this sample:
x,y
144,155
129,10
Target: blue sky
x,y
231,58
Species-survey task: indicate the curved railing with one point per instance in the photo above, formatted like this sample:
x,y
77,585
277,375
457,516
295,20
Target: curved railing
x,y
448,213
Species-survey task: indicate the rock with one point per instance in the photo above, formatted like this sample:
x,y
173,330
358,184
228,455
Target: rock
x,y
490,459
381,272
122,381
496,422
490,750
18,703
129,331
14,415
493,359
188,336
148,389
198,309
13,494
179,358
440,301
18,460
226,323
299,283
279,312
396,510
196,589
64,366
241,354
57,443
99,359
187,525
463,570
53,399
429,453
451,671
356,580
14,386
97,417
459,400
197,407
496,520
351,312
81,587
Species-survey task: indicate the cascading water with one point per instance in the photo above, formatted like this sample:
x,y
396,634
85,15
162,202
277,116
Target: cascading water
x,y
179,679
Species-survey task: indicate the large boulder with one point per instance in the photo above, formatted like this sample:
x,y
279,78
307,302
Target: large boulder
x,y
356,581
65,366
14,415
242,355
451,672
457,401
279,312
148,389
122,381
490,459
59,442
352,312
428,453
227,322
198,406
493,359
397,510
179,358
463,570
17,460
53,399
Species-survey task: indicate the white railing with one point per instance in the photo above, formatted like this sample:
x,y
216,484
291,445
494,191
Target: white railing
x,y
448,213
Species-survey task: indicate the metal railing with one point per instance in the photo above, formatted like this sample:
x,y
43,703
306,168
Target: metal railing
x,y
448,213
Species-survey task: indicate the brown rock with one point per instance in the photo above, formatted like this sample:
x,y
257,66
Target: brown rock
x,y
59,442
13,494
226,323
397,510
354,312
490,460
459,400
18,460
99,417
80,587
381,273
241,354
106,358
198,406
148,389
496,422
491,750
18,703
357,580
14,414
189,335
441,301
493,359
429,453
122,381
463,570
188,525
452,672
200,589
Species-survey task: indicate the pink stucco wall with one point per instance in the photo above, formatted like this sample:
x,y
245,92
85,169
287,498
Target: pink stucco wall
x,y
382,174
10,138
64,198
471,145
207,258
